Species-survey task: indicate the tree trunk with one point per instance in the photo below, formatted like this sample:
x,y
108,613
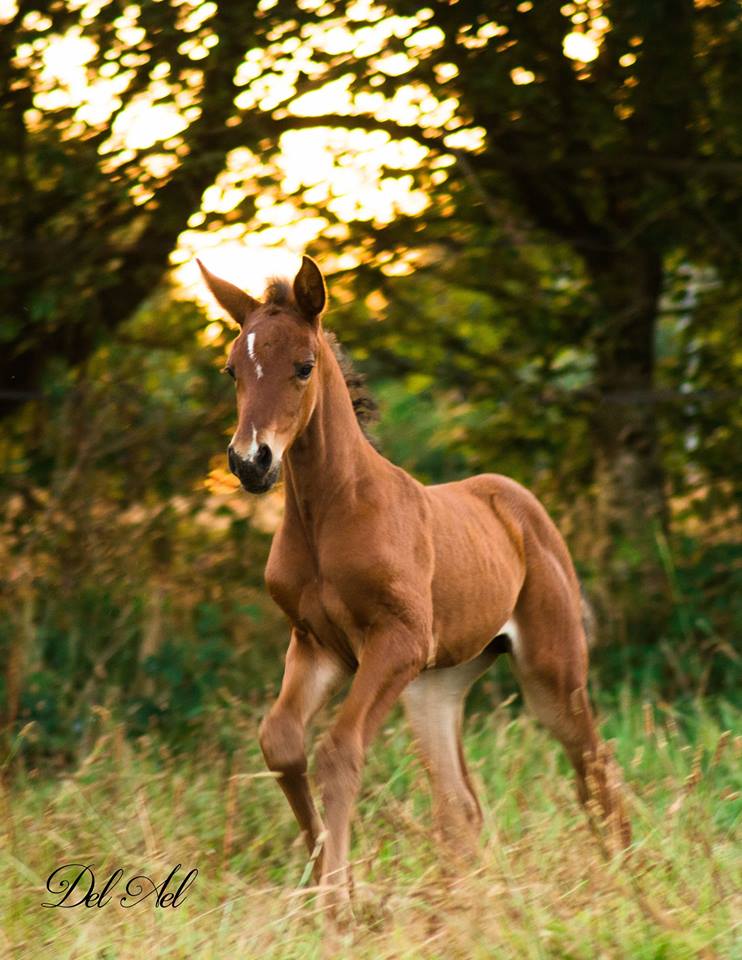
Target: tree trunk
x,y
630,497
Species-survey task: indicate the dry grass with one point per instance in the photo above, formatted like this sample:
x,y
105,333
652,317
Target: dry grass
x,y
542,888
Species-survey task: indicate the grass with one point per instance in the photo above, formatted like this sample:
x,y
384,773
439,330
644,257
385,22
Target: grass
x,y
541,890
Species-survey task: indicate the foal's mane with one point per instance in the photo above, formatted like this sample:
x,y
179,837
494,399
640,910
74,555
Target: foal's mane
x,y
279,292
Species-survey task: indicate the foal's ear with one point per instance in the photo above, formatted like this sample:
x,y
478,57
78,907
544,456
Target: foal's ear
x,y
309,290
236,302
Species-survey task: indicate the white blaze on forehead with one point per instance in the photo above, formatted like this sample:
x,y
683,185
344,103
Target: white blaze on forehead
x,y
251,354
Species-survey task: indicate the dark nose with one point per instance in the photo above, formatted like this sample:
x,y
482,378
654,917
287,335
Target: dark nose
x,y
251,471
264,457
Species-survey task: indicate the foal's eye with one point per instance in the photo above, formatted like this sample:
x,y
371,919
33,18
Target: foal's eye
x,y
304,370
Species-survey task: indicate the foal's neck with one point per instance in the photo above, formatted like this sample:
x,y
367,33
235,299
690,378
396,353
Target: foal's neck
x,y
332,453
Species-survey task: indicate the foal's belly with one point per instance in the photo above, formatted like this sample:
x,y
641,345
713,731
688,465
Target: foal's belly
x,y
478,575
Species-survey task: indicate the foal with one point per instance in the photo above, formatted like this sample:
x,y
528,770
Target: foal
x,y
411,590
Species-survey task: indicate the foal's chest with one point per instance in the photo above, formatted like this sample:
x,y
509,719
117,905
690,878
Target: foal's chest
x,y
313,603
330,619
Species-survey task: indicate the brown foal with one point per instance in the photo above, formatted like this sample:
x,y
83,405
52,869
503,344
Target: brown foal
x,y
412,591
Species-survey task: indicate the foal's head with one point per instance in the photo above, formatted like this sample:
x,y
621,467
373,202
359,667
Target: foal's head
x,y
272,362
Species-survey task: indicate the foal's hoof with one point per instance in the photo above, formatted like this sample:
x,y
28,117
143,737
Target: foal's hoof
x,y
338,924
336,943
613,834
337,908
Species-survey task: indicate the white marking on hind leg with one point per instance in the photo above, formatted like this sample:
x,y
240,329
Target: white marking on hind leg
x,y
510,628
251,354
434,704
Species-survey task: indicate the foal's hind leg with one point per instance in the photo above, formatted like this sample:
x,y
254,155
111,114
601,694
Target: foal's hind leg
x,y
550,660
434,703
310,676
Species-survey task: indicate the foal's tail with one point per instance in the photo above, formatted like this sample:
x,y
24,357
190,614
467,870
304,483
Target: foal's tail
x,y
589,622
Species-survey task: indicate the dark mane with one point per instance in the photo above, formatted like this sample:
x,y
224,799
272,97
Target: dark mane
x,y
279,292
364,405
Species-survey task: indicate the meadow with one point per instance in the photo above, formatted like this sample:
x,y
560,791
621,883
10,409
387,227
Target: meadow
x,y
542,888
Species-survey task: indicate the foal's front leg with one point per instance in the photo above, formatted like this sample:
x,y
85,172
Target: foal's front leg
x,y
310,676
388,661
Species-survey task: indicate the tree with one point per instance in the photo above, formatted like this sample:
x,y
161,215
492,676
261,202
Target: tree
x,y
88,215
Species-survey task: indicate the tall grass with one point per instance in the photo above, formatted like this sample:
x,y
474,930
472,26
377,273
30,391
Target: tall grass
x,y
541,889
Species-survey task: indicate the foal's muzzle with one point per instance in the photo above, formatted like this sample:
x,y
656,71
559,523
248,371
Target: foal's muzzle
x,y
257,472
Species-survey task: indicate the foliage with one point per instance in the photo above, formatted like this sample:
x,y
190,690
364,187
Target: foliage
x,y
95,191
135,578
